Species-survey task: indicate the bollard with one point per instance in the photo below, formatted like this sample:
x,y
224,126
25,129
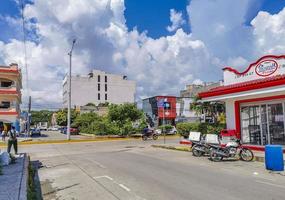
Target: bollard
x,y
274,158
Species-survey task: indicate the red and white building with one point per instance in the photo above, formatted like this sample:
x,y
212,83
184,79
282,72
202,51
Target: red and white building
x,y
10,94
255,100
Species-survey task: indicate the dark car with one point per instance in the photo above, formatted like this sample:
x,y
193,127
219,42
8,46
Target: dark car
x,y
73,131
35,132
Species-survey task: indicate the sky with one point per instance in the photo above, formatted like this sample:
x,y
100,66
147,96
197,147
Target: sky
x,y
163,45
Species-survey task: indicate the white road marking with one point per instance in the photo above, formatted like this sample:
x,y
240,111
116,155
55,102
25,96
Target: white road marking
x,y
272,184
105,176
124,187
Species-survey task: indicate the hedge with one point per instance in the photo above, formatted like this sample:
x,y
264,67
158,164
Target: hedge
x,y
205,128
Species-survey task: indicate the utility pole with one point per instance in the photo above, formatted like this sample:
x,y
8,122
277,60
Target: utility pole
x,y
69,92
29,116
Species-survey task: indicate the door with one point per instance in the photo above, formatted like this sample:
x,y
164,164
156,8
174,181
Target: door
x,y
276,123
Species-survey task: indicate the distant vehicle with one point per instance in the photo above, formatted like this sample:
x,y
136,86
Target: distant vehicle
x,y
43,126
173,131
35,132
73,131
53,129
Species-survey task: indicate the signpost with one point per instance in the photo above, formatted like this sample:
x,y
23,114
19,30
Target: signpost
x,y
165,105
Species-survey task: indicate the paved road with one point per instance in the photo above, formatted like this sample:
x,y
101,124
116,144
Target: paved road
x,y
134,170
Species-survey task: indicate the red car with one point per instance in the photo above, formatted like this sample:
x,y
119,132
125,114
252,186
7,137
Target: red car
x,y
73,131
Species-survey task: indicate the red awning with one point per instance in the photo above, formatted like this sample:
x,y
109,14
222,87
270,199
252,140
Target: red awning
x,y
245,86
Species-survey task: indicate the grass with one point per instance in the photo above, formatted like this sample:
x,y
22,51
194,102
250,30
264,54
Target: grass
x,y
31,189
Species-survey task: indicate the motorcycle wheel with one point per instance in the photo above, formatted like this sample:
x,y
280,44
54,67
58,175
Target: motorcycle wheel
x,y
154,137
246,155
215,157
144,137
196,152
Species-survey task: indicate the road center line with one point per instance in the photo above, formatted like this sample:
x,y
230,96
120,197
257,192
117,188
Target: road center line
x,y
272,184
105,176
124,187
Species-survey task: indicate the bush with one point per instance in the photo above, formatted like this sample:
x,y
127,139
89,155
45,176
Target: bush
x,y
166,127
205,128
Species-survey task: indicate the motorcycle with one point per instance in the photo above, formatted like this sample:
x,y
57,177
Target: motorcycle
x,y
149,134
231,150
201,148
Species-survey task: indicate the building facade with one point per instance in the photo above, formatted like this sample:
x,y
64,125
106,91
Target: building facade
x,y
192,90
10,95
99,87
255,100
155,112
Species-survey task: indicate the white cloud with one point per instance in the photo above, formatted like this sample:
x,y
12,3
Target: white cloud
x,y
176,19
269,32
160,66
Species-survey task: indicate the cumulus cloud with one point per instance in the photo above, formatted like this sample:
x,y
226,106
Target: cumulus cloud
x,y
160,66
269,32
176,19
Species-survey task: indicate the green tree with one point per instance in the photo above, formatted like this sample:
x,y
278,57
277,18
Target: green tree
x,y
41,116
61,117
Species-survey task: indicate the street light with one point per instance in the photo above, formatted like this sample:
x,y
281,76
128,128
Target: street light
x,y
69,93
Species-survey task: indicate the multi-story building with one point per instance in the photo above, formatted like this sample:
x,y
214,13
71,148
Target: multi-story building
x,y
192,90
99,87
10,95
155,112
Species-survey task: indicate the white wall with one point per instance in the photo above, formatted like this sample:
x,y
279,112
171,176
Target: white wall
x,y
230,114
85,89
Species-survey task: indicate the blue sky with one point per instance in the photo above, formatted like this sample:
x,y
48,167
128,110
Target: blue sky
x,y
147,15
128,37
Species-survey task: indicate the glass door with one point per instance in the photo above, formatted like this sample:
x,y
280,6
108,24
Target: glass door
x,y
250,120
264,125
276,123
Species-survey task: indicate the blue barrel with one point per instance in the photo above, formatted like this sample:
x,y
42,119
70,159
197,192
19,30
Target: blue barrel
x,y
274,158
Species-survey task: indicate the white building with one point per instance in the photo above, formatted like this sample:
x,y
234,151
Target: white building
x,y
99,87
255,100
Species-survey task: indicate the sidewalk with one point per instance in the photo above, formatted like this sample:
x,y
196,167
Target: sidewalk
x,y
14,179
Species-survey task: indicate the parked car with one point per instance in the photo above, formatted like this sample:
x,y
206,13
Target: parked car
x,y
35,132
73,131
173,131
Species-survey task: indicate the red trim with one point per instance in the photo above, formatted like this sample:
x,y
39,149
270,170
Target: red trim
x,y
248,85
15,71
256,147
8,113
237,119
185,142
9,92
237,108
252,64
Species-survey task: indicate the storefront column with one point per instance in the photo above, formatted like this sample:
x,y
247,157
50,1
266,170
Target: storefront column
x,y
230,117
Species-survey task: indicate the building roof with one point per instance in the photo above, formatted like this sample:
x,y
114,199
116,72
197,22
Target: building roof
x,y
245,86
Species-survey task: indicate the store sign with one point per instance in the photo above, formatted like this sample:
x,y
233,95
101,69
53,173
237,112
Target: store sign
x,y
266,68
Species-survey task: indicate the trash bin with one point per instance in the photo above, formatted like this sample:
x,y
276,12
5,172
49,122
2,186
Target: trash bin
x,y
274,158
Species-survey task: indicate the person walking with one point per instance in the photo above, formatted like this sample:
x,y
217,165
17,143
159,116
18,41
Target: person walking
x,y
12,140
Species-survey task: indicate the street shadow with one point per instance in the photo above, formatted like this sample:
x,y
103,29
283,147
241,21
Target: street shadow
x,y
36,165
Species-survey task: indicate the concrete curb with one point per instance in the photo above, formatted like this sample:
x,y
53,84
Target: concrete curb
x,y
179,148
24,179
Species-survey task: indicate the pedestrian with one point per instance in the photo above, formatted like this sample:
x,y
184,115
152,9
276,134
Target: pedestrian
x,y
3,134
12,140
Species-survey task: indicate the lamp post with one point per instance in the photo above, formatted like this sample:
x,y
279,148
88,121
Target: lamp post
x,y
69,93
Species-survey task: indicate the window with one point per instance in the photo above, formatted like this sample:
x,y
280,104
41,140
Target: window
x,y
98,96
98,86
105,79
6,83
5,104
106,97
99,78
105,87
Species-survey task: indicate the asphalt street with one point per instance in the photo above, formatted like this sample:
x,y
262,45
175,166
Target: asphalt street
x,y
134,170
